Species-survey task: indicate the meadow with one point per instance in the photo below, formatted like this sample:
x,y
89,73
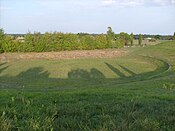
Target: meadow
x,y
131,92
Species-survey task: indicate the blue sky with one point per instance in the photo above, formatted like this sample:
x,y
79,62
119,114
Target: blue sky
x,y
91,16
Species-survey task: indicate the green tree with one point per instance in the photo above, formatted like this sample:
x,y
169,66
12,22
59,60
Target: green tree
x,y
157,37
1,40
131,38
140,39
110,36
8,44
100,41
39,45
1,33
124,38
110,32
174,36
29,43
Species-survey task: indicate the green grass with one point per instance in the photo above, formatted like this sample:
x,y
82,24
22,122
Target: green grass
x,y
134,92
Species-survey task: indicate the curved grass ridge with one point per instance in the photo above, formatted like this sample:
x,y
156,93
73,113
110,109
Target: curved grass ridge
x,y
74,81
163,67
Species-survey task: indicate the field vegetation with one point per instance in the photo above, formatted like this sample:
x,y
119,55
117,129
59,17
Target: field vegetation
x,y
58,41
135,91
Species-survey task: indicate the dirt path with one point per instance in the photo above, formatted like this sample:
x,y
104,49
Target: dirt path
x,y
108,53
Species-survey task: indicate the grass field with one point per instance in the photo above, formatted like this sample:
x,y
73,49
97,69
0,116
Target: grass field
x,y
131,92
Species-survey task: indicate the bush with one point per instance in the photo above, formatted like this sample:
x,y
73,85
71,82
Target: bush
x,y
58,41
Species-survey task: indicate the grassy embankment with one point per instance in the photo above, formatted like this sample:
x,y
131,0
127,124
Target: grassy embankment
x,y
133,92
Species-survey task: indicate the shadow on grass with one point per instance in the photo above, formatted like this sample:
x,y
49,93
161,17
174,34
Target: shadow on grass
x,y
34,74
37,78
116,71
83,74
127,70
2,68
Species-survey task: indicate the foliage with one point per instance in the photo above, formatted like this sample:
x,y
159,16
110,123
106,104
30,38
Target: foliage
x,y
159,37
1,39
140,39
123,39
58,41
110,36
131,38
110,33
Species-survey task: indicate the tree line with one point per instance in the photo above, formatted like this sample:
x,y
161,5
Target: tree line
x,y
58,41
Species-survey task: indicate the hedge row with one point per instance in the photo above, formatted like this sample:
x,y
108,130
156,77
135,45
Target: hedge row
x,y
59,41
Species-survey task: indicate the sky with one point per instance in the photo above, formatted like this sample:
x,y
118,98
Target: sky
x,y
89,16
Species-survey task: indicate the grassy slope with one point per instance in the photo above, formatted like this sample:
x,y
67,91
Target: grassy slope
x,y
129,93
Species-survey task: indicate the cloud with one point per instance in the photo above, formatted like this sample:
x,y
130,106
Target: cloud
x,y
91,4
161,2
4,8
69,4
122,3
108,2
133,3
173,1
